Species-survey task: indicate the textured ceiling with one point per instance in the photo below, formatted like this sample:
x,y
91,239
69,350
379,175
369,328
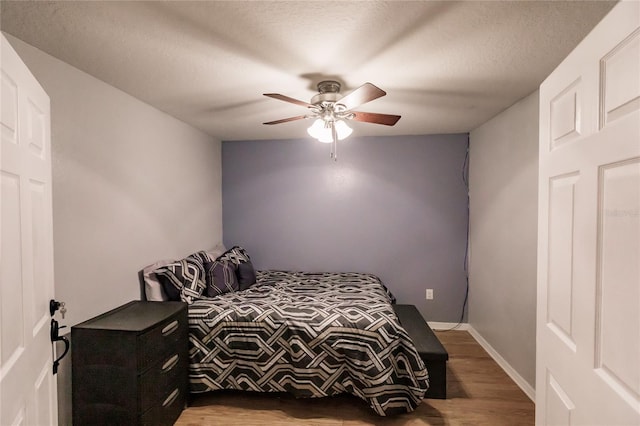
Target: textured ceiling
x,y
447,66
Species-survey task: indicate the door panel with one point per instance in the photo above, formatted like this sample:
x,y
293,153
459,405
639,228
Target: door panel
x,y
560,286
12,341
566,115
9,119
41,282
619,81
559,405
618,270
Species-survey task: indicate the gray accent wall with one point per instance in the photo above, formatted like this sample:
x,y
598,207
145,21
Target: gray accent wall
x,y
503,234
392,206
131,185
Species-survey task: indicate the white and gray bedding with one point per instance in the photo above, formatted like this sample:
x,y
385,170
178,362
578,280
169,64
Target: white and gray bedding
x,y
311,335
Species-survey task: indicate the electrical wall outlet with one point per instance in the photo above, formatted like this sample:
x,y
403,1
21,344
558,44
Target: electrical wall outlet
x,y
429,294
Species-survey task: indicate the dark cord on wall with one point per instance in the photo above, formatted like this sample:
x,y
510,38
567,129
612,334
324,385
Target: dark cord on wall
x,y
465,180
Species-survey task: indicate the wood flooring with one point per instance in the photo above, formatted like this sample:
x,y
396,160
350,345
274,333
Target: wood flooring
x,y
479,392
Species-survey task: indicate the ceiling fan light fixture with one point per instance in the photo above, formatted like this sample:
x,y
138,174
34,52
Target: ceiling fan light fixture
x,y
322,130
342,129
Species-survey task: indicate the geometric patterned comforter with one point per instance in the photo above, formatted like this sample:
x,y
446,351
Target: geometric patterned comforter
x,y
309,334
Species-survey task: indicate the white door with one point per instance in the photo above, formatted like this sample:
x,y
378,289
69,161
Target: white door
x,y
588,326
27,384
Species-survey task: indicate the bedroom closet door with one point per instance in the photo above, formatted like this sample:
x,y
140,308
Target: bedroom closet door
x,y
27,384
588,317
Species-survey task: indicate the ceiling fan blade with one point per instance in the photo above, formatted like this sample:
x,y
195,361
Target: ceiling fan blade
x,y
288,99
286,120
363,94
372,117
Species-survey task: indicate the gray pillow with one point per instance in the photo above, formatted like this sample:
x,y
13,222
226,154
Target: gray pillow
x,y
152,288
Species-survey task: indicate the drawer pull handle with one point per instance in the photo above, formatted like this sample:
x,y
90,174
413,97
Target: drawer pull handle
x,y
170,328
171,362
172,397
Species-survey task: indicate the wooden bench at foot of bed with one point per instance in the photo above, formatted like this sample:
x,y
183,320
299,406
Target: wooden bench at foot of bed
x,y
433,354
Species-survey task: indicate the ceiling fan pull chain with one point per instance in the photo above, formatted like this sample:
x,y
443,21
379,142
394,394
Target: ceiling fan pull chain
x,y
334,134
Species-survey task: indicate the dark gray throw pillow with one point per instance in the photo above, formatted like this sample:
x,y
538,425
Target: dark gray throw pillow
x,y
246,275
221,277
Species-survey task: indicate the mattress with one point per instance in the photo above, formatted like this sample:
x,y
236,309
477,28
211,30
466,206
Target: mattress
x,y
308,334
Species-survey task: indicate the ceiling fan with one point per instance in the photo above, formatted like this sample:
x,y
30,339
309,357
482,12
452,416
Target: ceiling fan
x,y
331,110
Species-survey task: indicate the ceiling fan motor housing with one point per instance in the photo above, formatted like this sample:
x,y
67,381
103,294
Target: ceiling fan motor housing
x,y
329,91
329,86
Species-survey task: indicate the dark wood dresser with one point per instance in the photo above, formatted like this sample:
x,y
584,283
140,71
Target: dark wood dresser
x,y
130,365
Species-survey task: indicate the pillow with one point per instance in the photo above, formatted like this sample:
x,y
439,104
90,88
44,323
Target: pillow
x,y
246,275
168,278
183,280
237,255
201,256
221,277
153,290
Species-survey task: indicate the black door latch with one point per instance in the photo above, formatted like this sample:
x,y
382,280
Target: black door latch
x,y
55,337
54,305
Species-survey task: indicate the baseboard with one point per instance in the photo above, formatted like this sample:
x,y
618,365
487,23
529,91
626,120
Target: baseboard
x,y
511,372
448,325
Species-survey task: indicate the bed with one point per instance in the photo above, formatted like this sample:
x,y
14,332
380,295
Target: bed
x,y
308,334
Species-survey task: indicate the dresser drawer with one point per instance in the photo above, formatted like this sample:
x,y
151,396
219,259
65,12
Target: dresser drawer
x,y
101,414
167,411
94,391
161,341
159,380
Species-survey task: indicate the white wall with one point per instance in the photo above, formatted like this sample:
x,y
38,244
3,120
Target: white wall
x,y
131,185
503,172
